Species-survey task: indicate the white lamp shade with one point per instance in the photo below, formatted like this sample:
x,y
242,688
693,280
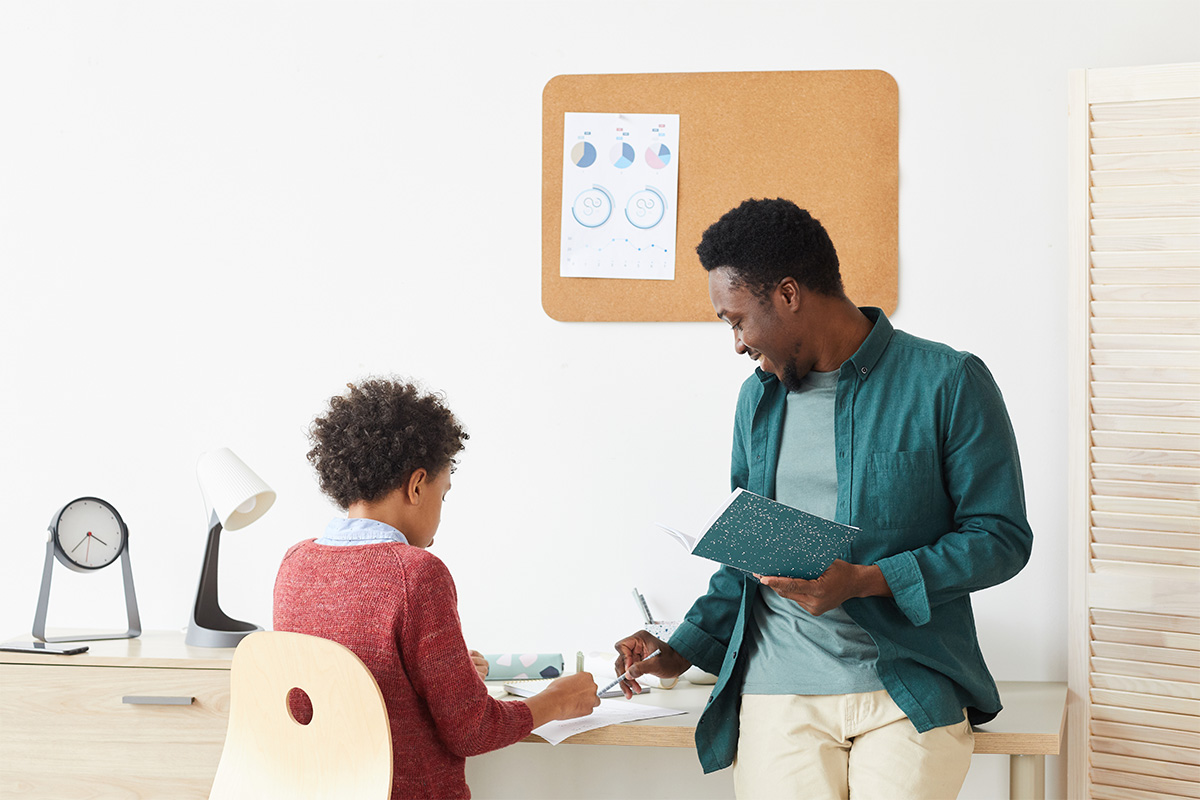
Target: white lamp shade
x,y
231,489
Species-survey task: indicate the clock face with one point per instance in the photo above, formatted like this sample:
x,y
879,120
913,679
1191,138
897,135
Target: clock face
x,y
90,534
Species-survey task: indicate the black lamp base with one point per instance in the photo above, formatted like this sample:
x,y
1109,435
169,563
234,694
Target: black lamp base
x,y
210,626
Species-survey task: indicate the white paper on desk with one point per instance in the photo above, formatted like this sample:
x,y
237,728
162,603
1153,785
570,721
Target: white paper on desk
x,y
609,712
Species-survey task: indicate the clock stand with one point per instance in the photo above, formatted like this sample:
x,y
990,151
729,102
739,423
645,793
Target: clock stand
x,y
55,551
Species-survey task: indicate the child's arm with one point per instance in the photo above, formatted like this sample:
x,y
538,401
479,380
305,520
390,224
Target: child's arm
x,y
438,663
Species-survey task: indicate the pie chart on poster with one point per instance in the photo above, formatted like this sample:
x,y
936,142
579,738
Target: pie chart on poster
x,y
583,154
622,155
658,156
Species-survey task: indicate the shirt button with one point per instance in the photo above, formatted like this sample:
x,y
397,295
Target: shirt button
x,y
863,370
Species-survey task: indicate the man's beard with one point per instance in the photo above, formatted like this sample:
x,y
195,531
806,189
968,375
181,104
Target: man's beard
x,y
791,377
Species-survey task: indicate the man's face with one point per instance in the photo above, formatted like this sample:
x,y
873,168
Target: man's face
x,y
759,329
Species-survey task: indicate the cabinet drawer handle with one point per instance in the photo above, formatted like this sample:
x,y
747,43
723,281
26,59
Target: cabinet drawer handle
x,y
136,700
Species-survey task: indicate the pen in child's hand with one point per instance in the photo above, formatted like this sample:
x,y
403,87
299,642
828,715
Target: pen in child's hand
x,y
626,677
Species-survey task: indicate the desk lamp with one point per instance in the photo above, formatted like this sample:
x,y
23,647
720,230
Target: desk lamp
x,y
233,498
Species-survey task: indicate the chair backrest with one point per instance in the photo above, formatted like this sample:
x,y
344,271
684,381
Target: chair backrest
x,y
345,750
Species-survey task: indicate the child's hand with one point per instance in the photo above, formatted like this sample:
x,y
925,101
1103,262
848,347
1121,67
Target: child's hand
x,y
566,698
481,664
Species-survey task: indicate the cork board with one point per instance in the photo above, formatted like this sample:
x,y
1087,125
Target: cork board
x,y
827,140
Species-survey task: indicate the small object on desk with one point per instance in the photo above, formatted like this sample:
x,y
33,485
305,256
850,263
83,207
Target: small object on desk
x,y
625,676
645,609
659,629
511,666
42,647
86,535
531,687
699,677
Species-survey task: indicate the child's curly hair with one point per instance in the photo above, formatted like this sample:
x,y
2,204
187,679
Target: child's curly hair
x,y
376,436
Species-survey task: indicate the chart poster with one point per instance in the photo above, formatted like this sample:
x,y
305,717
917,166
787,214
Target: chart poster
x,y
620,187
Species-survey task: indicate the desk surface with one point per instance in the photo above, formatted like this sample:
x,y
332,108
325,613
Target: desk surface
x,y
152,649
1030,724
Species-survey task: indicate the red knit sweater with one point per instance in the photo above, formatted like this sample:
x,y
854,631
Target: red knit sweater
x,y
395,606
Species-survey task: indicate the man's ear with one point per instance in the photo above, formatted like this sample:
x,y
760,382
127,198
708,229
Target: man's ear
x,y
415,487
791,294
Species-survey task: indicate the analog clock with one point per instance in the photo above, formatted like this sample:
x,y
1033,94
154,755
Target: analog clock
x,y
88,534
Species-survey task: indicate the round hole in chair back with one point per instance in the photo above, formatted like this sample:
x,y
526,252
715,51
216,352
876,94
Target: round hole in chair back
x,y
299,705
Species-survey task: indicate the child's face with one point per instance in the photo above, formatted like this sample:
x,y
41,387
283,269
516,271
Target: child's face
x,y
429,514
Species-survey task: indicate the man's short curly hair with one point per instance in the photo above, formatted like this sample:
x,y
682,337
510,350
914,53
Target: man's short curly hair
x,y
765,241
375,437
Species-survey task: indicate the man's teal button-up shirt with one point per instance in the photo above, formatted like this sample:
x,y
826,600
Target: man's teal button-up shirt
x,y
928,469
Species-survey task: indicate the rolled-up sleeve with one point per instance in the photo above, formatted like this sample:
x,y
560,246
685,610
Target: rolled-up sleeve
x,y
992,539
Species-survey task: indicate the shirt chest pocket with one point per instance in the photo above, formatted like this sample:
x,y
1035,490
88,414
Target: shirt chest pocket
x,y
901,488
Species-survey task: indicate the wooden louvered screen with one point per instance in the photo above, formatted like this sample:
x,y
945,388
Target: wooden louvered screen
x,y
1145,705
1134,518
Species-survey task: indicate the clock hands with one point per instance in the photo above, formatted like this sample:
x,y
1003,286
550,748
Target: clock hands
x,y
88,539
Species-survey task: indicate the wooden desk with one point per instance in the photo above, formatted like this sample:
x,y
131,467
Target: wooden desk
x,y
141,717
1027,730
69,727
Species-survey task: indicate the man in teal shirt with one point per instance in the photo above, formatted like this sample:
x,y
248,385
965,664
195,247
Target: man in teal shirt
x,y
858,681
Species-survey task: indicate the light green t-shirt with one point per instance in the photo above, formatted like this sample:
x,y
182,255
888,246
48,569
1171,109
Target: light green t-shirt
x,y
791,651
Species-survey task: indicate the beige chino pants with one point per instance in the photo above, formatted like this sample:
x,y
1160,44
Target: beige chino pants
x,y
845,747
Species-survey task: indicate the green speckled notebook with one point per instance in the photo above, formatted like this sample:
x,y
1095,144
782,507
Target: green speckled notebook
x,y
763,536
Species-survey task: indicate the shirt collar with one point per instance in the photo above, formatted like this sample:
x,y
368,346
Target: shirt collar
x,y
868,353
361,531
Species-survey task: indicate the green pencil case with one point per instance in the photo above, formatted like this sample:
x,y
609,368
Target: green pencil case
x,y
511,666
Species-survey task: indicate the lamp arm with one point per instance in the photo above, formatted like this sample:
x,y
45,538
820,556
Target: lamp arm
x,y
207,611
210,626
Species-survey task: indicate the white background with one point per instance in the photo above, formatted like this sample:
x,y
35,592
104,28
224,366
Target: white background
x,y
214,215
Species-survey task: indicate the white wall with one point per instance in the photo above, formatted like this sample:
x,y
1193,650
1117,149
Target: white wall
x,y
214,215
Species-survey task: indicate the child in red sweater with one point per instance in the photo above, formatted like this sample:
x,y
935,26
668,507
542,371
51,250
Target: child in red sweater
x,y
385,452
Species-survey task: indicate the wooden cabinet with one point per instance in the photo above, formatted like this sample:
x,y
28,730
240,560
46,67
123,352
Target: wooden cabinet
x,y
137,718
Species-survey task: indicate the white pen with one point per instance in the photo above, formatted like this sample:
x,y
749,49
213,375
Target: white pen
x,y
626,677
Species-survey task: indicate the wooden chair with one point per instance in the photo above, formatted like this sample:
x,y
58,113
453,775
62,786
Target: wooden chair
x,y
344,751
